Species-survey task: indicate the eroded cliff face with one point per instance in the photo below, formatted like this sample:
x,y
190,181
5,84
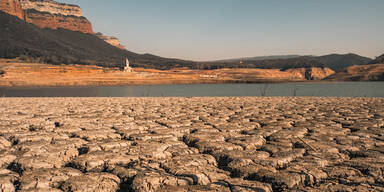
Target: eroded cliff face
x,y
47,20
12,7
48,14
316,73
313,73
111,40
52,7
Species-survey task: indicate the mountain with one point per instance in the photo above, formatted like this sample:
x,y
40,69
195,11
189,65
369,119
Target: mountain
x,y
338,62
283,64
272,57
61,46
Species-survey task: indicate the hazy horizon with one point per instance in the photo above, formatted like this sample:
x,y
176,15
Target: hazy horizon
x,y
225,29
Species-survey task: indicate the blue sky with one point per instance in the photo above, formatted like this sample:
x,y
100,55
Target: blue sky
x,y
221,29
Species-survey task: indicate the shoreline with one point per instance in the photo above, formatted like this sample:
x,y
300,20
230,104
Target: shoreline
x,y
19,74
182,83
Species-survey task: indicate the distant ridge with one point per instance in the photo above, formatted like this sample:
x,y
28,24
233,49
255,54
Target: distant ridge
x,y
373,72
258,58
336,62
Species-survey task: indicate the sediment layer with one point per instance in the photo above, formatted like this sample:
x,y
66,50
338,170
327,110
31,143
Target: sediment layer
x,y
191,144
33,74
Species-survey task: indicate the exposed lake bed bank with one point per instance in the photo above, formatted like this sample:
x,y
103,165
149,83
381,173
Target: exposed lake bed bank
x,y
20,74
191,144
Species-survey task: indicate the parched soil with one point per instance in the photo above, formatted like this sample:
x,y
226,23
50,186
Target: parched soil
x,y
191,144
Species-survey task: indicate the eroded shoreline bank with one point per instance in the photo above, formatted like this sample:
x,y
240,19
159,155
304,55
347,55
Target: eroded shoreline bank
x,y
19,74
14,73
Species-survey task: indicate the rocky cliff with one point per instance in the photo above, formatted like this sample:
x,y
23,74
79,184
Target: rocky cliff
x,y
52,7
48,14
111,40
312,73
316,73
48,20
12,7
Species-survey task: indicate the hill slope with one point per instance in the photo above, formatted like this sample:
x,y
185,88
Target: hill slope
x,y
258,58
21,39
379,59
283,64
338,62
373,72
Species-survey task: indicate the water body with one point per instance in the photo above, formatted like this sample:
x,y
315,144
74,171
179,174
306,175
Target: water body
x,y
337,89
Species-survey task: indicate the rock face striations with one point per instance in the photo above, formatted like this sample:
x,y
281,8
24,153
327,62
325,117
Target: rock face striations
x,y
52,7
12,7
48,14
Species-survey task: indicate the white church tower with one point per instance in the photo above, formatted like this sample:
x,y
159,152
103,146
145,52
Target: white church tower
x,y
127,68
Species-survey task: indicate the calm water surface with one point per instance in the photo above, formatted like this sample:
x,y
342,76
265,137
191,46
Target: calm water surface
x,y
343,89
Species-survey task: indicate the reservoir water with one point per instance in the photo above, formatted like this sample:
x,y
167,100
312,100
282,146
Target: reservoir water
x,y
337,89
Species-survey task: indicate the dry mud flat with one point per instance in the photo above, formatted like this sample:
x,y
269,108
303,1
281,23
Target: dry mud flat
x,y
191,144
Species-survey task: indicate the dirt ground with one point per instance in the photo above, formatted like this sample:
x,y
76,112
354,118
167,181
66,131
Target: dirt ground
x,y
191,144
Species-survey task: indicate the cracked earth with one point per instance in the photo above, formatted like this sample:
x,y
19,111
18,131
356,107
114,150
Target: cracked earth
x,y
191,144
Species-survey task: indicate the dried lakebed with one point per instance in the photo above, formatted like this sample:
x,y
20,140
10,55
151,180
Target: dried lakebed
x,y
191,144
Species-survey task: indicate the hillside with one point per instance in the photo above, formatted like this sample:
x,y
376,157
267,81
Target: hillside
x,y
61,46
379,59
338,62
258,58
373,72
283,64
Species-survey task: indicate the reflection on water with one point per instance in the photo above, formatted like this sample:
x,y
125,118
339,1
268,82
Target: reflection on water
x,y
344,89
